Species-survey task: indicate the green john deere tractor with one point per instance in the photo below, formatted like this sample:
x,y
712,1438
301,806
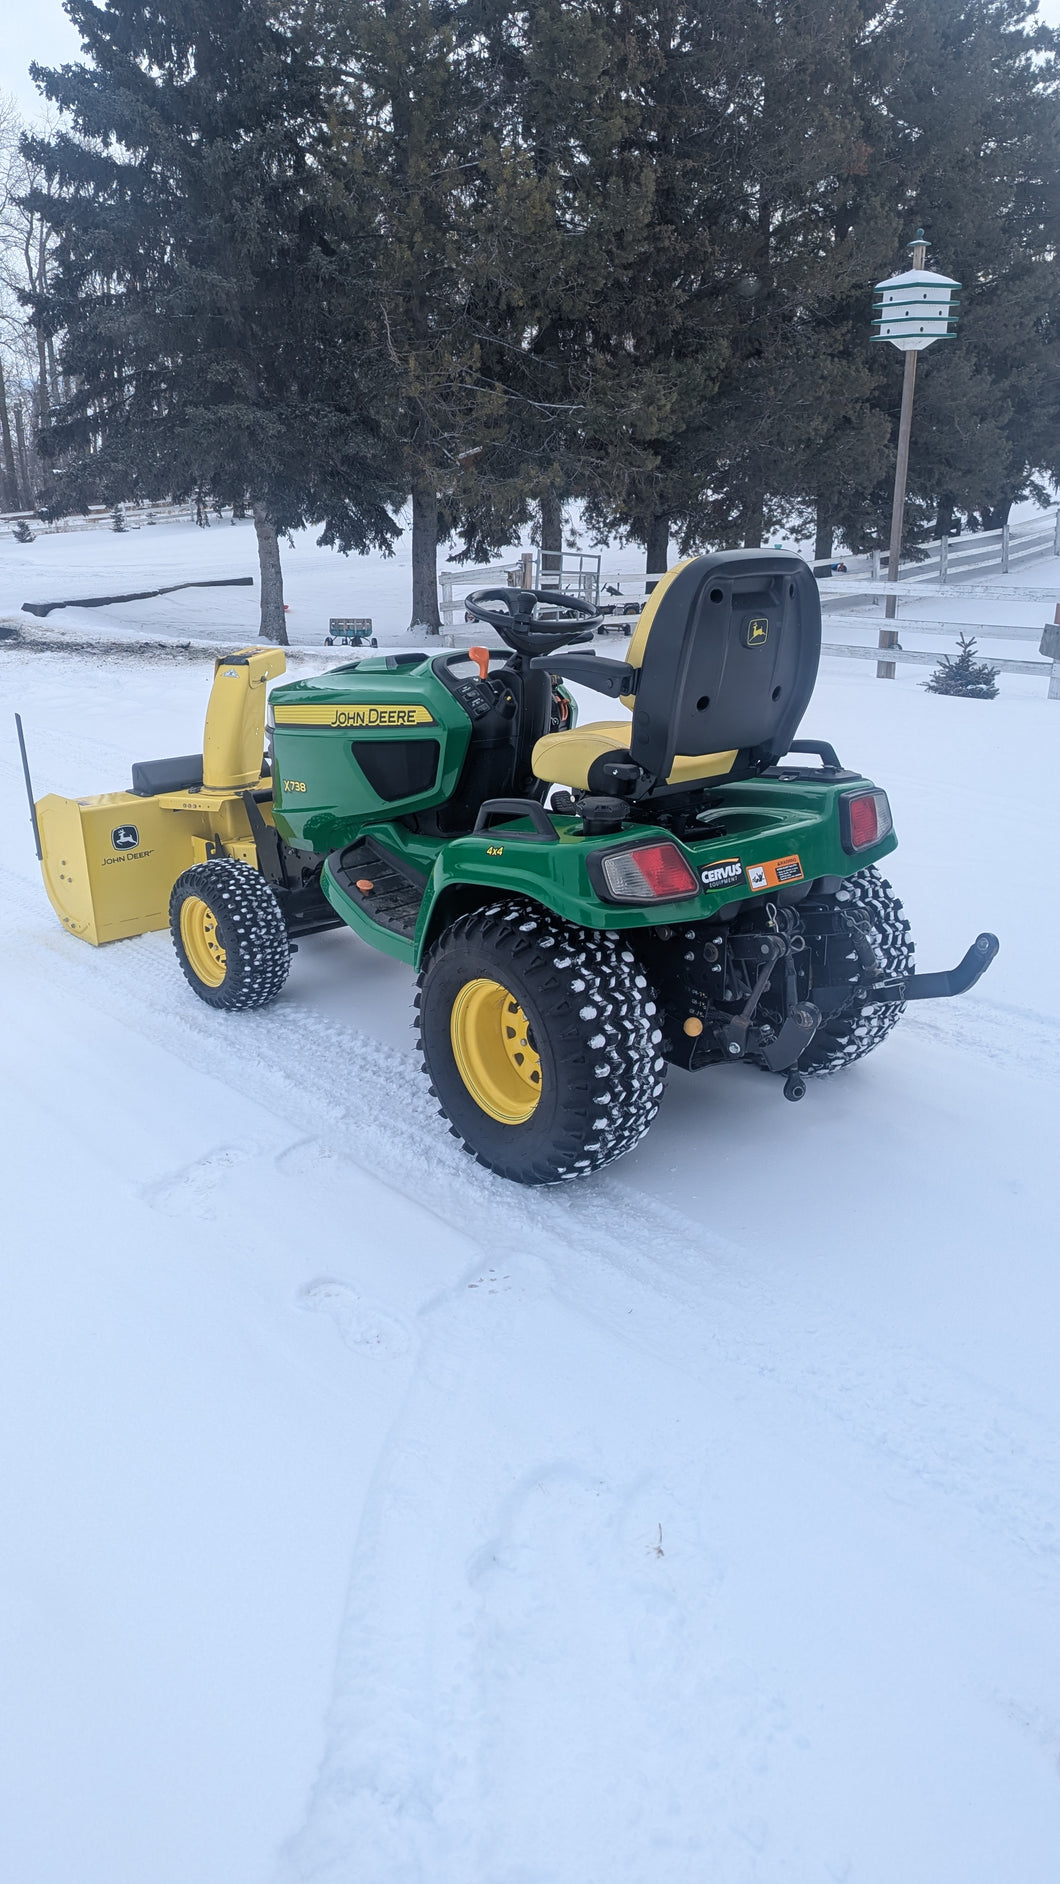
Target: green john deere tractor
x,y
583,905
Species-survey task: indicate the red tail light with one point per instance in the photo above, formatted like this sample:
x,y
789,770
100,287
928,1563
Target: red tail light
x,y
647,873
864,818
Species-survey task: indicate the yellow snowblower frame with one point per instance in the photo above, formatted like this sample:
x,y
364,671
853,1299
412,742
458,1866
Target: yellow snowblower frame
x,y
110,862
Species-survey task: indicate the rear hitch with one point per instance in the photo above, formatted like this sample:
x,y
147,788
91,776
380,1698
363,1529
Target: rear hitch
x,y
948,981
795,1085
766,952
792,1041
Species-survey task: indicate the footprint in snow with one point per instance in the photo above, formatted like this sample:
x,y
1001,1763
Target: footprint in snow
x,y
190,1192
304,1158
366,1329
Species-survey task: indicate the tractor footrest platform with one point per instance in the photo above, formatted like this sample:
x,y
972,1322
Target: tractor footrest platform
x,y
389,892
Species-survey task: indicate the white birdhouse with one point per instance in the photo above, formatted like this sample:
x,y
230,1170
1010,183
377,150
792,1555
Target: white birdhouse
x,y
914,309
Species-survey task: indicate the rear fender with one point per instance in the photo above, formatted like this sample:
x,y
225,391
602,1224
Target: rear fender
x,y
771,839
475,870
455,900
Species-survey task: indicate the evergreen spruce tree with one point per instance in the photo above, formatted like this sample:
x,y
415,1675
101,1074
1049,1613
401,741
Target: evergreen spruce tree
x,y
622,290
690,286
549,94
212,283
420,138
790,425
967,142
665,340
978,129
971,679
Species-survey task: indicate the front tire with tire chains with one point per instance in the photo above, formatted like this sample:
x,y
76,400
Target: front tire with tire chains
x,y
581,1007
851,1032
229,934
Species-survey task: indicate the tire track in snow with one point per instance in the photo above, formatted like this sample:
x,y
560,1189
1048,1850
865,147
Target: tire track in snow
x,y
592,1641
381,1792
973,1464
1015,1038
926,1426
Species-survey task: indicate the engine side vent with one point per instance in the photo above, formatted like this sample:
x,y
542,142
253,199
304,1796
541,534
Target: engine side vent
x,y
398,768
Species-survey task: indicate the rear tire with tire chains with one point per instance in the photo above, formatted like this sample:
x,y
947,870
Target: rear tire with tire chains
x,y
250,931
593,1021
852,1031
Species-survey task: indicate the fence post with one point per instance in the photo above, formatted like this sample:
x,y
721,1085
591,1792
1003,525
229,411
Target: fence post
x,y
526,569
944,558
1004,549
875,567
1050,647
1056,533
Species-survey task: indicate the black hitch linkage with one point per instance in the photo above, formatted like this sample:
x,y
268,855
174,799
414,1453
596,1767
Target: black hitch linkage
x,y
934,987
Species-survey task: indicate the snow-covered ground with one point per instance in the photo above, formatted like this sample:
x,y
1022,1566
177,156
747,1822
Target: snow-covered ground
x,y
321,583
370,1521
318,583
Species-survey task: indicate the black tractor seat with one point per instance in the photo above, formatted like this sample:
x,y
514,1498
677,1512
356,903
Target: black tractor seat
x,y
718,675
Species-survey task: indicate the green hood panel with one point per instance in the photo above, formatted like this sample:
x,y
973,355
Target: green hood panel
x,y
380,738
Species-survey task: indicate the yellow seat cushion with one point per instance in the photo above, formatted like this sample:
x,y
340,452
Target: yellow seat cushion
x,y
565,758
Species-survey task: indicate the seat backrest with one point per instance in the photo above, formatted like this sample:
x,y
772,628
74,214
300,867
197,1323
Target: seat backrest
x,y
727,646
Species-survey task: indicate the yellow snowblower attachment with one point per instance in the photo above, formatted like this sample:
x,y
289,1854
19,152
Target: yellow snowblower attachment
x,y
110,862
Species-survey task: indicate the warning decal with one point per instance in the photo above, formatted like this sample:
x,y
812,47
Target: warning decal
x,y
773,875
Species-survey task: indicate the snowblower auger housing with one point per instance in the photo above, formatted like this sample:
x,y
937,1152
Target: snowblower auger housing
x,y
584,905
110,862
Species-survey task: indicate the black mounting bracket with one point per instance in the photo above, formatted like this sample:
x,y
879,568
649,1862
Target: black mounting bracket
x,y
947,982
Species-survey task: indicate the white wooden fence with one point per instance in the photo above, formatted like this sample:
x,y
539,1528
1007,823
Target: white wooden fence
x,y
978,553
1044,639
961,560
98,517
955,559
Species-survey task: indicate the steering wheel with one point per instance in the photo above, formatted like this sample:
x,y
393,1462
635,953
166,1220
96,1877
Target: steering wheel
x,y
522,628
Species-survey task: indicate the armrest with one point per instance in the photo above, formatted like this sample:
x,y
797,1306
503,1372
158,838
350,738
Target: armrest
x,y
591,670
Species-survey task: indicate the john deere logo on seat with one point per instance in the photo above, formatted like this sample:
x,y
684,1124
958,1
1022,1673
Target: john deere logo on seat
x,y
756,633
125,837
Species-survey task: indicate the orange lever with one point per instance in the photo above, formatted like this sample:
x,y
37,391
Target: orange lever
x,y
481,658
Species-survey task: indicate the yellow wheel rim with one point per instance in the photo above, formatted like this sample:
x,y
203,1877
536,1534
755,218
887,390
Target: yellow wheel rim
x,y
494,1051
198,932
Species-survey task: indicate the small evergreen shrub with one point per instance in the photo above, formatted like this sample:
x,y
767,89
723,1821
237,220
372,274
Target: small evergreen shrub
x,y
22,532
118,523
971,679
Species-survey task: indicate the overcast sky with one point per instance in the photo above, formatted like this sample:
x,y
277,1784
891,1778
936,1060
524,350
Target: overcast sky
x,y
41,31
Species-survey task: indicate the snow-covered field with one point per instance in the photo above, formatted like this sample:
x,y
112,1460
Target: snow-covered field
x,y
317,583
367,1520
320,583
